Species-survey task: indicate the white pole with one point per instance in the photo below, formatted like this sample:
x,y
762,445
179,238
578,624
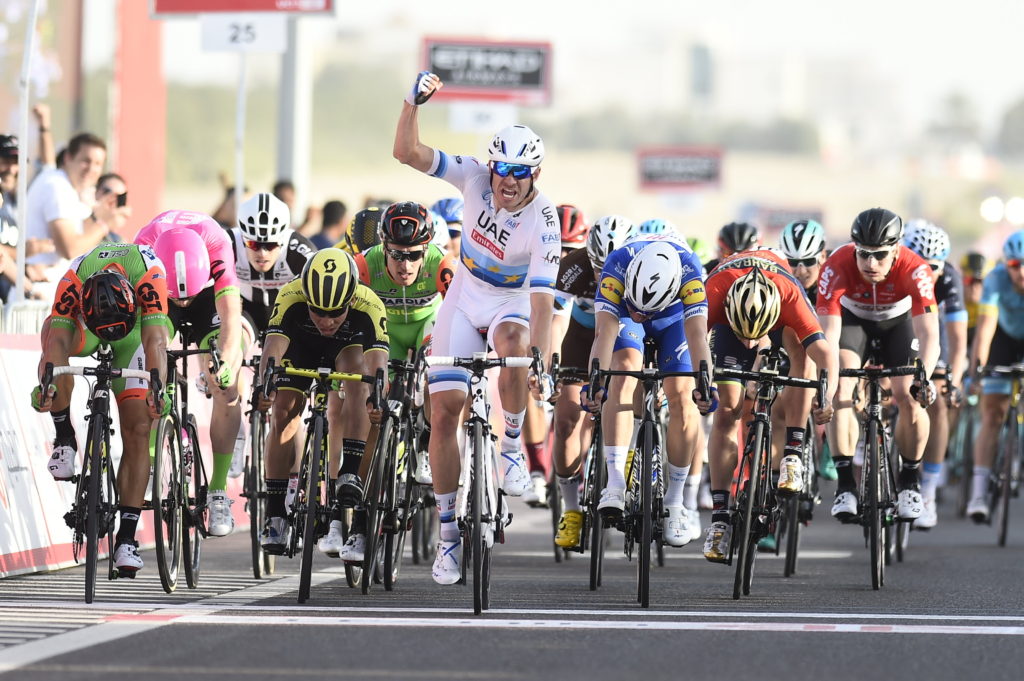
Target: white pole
x,y
23,155
240,137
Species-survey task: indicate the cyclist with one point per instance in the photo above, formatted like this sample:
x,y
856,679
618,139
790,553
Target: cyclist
x,y
323,318
653,286
701,249
734,238
504,284
932,244
753,298
578,275
363,232
874,292
203,290
451,210
974,267
998,341
114,294
268,254
802,243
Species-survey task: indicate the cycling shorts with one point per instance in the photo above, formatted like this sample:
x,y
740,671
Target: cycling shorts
x,y
1004,351
889,342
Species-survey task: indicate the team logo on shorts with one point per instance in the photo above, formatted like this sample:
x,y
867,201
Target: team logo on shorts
x,y
611,289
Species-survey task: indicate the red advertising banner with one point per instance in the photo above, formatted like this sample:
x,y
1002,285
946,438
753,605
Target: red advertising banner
x,y
174,7
476,69
679,167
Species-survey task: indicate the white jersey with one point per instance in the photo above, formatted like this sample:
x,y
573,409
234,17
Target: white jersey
x,y
503,253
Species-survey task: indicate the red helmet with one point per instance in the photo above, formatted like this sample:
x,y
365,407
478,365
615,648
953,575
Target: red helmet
x,y
574,228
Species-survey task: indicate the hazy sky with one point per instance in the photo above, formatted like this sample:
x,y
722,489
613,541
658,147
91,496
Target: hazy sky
x,y
929,47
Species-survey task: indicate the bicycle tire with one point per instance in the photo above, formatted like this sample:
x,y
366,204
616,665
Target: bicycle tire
x,y
263,563
646,513
1009,444
166,502
554,502
409,493
791,531
476,492
595,483
110,512
962,441
312,491
194,527
873,508
375,499
353,571
94,503
744,528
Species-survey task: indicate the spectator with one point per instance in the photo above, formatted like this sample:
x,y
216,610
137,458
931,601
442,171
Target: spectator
x,y
56,210
333,228
111,205
285,190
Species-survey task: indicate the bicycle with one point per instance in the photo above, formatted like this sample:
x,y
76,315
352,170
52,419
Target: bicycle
x,y
480,510
1004,481
640,521
93,512
554,492
756,510
877,488
179,484
797,510
254,486
310,515
959,457
392,495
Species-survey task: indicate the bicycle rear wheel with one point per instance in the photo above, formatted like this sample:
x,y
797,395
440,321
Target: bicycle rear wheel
x,y
166,501
312,502
961,448
1009,444
744,529
195,512
263,563
376,498
645,447
94,503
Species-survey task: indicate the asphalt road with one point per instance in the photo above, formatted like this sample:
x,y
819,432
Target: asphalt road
x,y
953,610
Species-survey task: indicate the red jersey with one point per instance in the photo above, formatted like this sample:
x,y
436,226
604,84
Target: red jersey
x,y
796,311
909,287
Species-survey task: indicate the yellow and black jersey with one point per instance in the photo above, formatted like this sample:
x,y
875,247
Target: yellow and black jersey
x,y
365,324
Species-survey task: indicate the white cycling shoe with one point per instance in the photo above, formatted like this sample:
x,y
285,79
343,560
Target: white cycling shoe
x,y
330,544
221,520
516,479
447,562
677,526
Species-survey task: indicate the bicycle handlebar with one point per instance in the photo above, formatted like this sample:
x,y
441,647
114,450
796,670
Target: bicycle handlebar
x,y
49,371
701,374
1011,371
879,372
480,364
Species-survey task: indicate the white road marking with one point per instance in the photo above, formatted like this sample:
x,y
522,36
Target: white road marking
x,y
672,555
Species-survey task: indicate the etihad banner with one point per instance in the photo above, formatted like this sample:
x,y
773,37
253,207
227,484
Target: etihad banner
x,y
515,72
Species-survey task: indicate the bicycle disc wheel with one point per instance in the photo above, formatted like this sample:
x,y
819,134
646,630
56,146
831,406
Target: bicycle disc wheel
x,y
194,519
166,497
743,530
476,519
375,499
313,503
1009,445
94,504
872,507
645,447
595,483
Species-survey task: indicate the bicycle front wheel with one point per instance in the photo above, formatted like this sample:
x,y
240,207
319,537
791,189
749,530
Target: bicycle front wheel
x,y
195,511
94,502
645,447
375,499
873,511
744,529
166,500
316,452
1009,444
592,491
481,554
256,493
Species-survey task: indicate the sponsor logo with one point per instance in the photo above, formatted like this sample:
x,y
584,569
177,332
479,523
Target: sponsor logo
x,y
552,258
687,270
150,298
693,293
823,282
915,345
511,223
301,248
611,289
925,283
68,301
458,159
549,217
548,238
106,255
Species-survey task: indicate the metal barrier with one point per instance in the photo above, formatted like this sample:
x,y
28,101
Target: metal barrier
x,y
25,317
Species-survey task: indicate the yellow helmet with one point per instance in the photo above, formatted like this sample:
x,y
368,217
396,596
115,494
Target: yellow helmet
x,y
752,305
329,279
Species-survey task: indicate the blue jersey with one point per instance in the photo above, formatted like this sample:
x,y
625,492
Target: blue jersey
x,y
1000,297
692,298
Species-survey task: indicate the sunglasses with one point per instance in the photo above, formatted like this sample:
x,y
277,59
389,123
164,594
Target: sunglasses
x,y
404,256
254,245
968,281
1015,264
330,314
806,262
864,254
516,170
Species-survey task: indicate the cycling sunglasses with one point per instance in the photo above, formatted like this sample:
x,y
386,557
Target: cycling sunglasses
x,y
330,314
865,254
254,245
1014,264
516,170
806,262
405,256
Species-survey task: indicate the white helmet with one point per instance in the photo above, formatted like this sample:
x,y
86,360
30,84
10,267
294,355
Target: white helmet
x,y
263,217
926,239
802,239
607,234
653,277
517,144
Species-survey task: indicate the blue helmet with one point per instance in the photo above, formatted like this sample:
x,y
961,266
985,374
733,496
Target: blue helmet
x,y
449,209
655,226
1013,249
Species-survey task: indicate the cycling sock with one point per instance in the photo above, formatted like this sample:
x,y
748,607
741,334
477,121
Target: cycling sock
x,y
794,441
844,471
677,476
219,477
513,426
446,513
616,459
129,521
570,488
720,506
931,473
690,489
535,454
276,489
979,486
910,474
62,423
351,456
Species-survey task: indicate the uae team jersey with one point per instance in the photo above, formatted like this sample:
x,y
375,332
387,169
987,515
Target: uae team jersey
x,y
909,287
502,252
218,244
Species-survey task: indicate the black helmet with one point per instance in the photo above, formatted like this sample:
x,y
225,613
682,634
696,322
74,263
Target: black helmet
x,y
363,232
406,224
877,227
738,236
108,305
